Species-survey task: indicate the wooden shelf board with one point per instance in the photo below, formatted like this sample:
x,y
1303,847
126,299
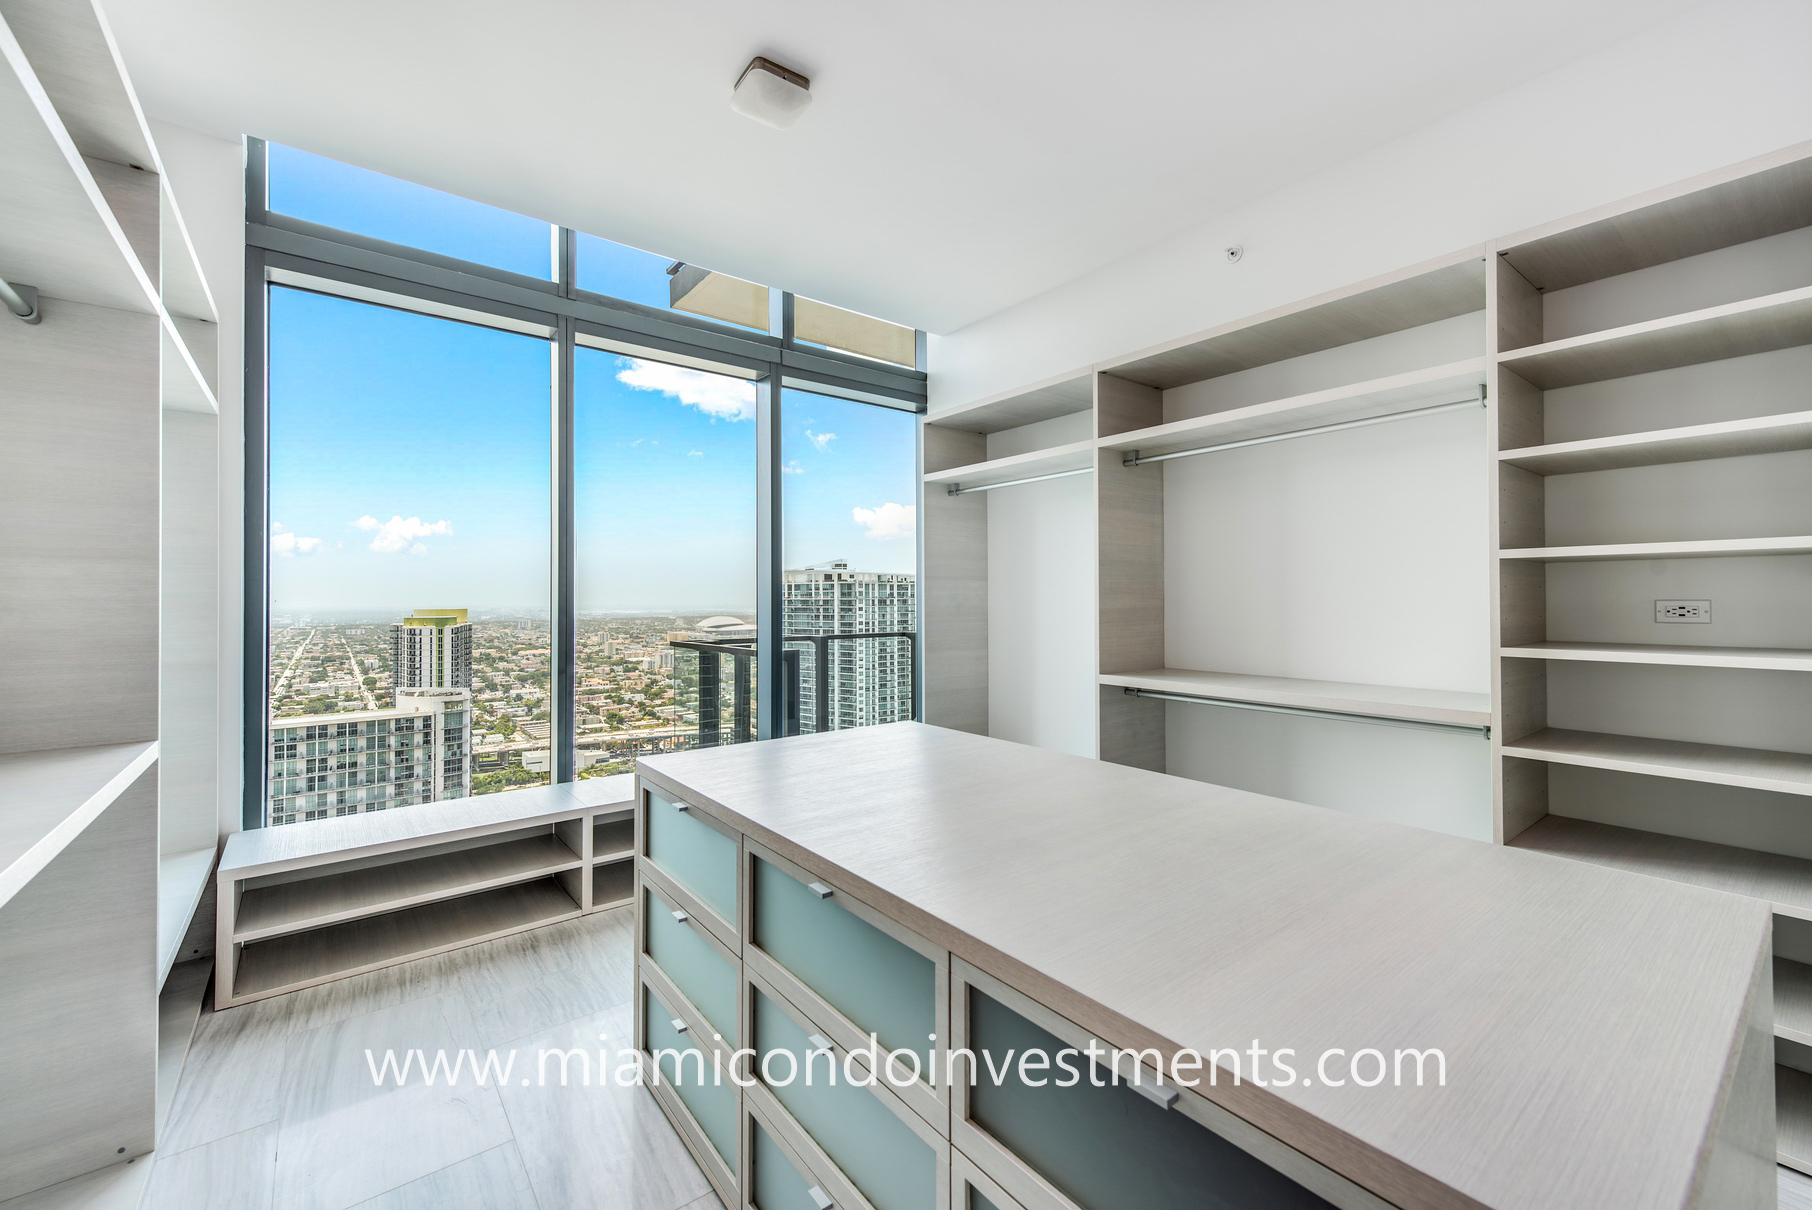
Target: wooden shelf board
x,y
1713,548
323,841
1421,294
1775,659
1781,772
1378,397
1074,456
1046,400
184,385
1793,1118
72,53
292,907
181,879
57,232
613,840
613,795
1380,701
298,960
1725,439
1793,1001
1784,882
612,884
1734,205
1754,325
184,290
51,796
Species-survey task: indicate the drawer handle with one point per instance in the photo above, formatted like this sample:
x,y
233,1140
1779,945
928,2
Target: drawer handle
x,y
680,916
820,1198
1156,1093
679,1026
820,1043
682,806
819,889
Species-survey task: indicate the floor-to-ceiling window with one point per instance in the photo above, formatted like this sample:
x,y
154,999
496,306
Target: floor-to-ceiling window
x,y
516,479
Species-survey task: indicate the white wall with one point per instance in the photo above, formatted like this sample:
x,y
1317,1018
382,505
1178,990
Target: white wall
x,y
207,176
1714,86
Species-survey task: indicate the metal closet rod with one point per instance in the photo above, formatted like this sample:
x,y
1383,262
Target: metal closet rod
x,y
1362,422
21,301
957,489
1339,716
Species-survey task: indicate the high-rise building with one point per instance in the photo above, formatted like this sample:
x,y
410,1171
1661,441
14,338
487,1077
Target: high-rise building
x,y
870,680
417,751
432,649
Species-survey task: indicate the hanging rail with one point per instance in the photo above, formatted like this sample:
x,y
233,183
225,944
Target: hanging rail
x,y
957,489
1481,730
21,301
1362,422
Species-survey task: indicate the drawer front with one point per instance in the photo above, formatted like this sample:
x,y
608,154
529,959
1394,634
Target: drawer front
x,y
1108,1147
696,855
877,981
709,1096
882,1156
696,966
775,1183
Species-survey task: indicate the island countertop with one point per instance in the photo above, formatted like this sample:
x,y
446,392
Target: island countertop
x,y
1607,1035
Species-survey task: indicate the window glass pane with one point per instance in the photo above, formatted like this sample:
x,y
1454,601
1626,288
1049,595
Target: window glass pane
x,y
320,190
850,540
658,281
409,490
664,505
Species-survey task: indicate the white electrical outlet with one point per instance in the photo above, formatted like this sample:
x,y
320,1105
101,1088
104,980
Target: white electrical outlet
x,y
1682,611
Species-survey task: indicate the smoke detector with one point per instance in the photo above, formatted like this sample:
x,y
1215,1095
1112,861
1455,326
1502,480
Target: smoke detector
x,y
771,94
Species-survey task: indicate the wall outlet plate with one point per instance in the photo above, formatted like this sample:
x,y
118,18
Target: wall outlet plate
x,y
1682,611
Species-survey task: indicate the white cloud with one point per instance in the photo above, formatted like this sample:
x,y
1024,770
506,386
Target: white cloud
x,y
285,545
820,440
887,522
695,453
792,468
716,395
401,533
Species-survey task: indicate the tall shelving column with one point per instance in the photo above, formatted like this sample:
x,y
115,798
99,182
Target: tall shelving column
x,y
1654,628
85,221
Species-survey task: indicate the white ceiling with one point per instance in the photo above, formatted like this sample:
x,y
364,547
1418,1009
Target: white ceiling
x,y
960,155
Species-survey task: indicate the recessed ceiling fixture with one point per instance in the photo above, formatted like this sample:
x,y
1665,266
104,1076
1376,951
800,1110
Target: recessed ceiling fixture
x,y
771,94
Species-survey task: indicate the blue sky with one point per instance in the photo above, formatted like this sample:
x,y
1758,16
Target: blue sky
x,y
409,455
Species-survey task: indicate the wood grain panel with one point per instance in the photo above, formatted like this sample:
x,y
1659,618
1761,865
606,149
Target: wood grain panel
x,y
1524,797
1130,523
1525,704
1519,317
1046,400
948,447
1132,730
1521,412
953,623
1121,406
1522,603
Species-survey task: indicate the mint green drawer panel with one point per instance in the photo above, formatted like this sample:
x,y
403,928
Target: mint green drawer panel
x,y
774,1184
892,1166
1107,1147
709,1095
697,855
696,966
882,985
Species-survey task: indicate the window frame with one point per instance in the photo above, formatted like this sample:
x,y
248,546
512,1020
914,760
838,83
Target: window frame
x,y
282,250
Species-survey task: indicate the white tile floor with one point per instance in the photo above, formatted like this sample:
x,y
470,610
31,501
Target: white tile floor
x,y
276,1109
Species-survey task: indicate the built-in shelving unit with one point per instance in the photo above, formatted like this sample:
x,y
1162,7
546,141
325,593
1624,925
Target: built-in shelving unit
x,y
325,899
107,714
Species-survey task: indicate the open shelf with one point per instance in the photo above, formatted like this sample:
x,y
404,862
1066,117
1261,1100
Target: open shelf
x,y
1771,659
181,879
1754,325
1077,455
1782,772
1724,439
612,884
1793,1118
1378,397
185,292
51,796
1423,294
613,840
1735,205
1378,701
1784,882
296,960
1712,548
1793,1001
290,907
1046,400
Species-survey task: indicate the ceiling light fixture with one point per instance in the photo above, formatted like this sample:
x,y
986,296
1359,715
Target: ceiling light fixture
x,y
771,94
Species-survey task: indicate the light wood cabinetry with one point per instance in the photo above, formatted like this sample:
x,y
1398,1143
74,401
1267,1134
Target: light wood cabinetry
x,y
107,585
